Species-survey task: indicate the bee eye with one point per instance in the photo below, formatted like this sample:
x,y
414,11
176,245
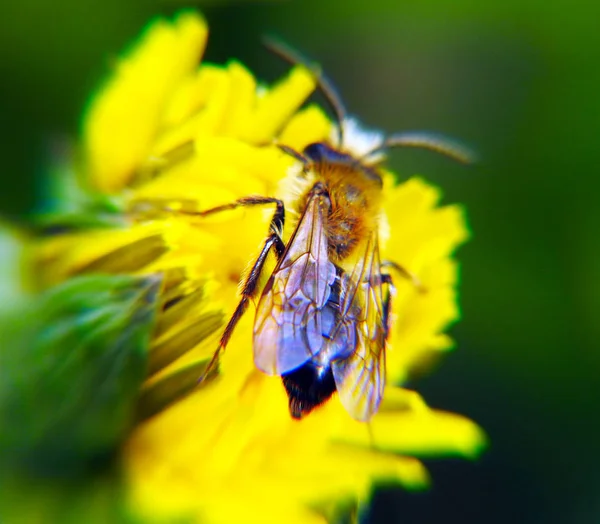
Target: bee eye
x,y
317,152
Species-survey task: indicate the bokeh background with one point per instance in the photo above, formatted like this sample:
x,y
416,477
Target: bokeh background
x,y
519,80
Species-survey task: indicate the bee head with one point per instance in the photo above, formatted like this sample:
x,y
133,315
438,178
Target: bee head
x,y
325,157
320,152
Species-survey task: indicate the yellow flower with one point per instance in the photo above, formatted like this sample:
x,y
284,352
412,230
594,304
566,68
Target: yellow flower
x,y
164,134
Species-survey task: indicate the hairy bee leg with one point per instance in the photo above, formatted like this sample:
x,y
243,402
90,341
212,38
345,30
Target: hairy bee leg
x,y
307,164
249,290
250,285
277,221
405,273
371,436
295,154
387,302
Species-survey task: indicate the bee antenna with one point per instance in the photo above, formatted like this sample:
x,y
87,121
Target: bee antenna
x,y
432,141
285,52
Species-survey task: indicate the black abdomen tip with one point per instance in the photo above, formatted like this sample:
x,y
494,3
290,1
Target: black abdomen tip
x,y
308,387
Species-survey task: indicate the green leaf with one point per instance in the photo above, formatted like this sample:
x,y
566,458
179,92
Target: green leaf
x,y
11,268
72,362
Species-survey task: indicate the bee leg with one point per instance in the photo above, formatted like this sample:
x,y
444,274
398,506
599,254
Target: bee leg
x,y
306,163
277,221
405,273
249,290
387,301
250,284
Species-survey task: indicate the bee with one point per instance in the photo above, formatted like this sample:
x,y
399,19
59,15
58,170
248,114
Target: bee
x,y
323,318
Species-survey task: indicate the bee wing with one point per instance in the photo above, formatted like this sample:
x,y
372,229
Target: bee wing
x,y
287,328
360,378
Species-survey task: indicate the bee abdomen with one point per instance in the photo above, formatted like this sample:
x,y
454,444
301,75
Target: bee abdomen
x,y
312,384
307,387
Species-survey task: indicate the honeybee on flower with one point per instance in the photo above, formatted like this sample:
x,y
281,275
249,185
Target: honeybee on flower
x,y
323,318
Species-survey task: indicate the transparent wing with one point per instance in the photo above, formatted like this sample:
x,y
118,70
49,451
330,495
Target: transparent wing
x,y
287,329
360,378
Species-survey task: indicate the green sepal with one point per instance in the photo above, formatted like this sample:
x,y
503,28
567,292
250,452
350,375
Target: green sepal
x,y
91,212
69,204
72,364
87,218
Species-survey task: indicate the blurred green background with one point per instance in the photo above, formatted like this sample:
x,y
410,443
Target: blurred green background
x,y
518,80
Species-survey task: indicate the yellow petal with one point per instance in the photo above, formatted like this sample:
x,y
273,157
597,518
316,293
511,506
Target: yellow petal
x,y
421,239
242,100
122,119
277,105
406,425
306,126
67,255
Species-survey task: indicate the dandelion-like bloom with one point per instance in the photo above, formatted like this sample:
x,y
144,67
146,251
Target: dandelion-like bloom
x,y
164,135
